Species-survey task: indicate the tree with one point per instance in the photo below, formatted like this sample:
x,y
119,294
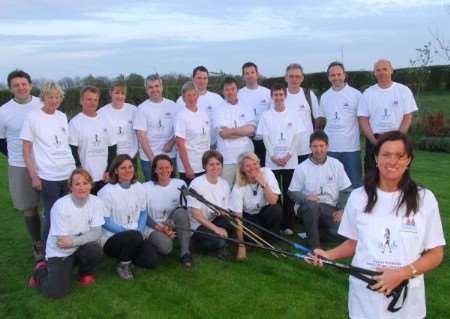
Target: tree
x,y
134,79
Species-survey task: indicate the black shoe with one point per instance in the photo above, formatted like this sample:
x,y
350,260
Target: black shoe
x,y
223,253
186,260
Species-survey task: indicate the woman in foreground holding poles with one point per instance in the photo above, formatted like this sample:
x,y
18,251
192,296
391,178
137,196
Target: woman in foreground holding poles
x,y
393,226
216,190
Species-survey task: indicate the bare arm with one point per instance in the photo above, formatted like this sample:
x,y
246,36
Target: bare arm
x,y
197,214
246,130
143,141
28,157
366,129
406,123
320,123
181,145
169,145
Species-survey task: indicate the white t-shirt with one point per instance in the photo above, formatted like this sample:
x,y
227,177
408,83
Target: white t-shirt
x,y
49,134
69,220
92,136
250,198
324,180
298,103
12,116
280,128
208,102
162,200
233,116
218,194
257,99
194,128
385,108
122,126
340,109
389,239
158,121
122,205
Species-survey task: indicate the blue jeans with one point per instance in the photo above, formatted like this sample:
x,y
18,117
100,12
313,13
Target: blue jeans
x,y
147,168
352,165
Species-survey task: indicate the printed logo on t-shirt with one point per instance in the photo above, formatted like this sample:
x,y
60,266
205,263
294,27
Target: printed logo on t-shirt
x,y
263,101
290,124
386,114
97,140
387,245
57,142
408,225
90,222
242,115
168,114
395,103
120,130
346,104
209,108
63,130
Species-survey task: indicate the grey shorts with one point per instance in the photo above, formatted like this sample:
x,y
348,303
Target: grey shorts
x,y
23,195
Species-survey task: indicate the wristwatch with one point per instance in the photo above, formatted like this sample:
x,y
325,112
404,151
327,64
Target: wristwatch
x,y
263,185
413,271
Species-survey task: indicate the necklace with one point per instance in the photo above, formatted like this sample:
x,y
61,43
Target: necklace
x,y
254,190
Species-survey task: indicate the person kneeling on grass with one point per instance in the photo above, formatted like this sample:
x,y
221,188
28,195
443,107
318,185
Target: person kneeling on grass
x,y
126,215
164,210
255,194
216,190
75,228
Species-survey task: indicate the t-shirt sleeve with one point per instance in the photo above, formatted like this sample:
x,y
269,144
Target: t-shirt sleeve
x,y
73,134
272,181
191,201
2,123
363,106
251,119
409,101
262,126
236,202
27,133
296,181
180,127
139,121
434,234
104,197
347,227
315,105
343,180
60,223
98,218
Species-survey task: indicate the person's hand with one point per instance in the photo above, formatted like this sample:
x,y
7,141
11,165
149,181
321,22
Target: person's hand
x,y
312,197
221,232
259,177
190,173
315,257
36,183
337,216
389,279
64,242
276,161
167,148
106,177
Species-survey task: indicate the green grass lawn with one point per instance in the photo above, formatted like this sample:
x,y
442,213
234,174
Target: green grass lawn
x,y
433,102
262,287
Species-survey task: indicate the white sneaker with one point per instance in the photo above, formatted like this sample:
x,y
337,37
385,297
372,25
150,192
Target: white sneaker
x,y
287,232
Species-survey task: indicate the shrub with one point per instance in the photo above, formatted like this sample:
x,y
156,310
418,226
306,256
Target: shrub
x,y
436,125
434,144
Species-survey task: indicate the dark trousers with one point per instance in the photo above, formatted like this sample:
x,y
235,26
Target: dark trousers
x,y
205,243
302,158
50,193
284,177
55,280
97,186
260,151
130,246
369,156
188,180
268,217
319,216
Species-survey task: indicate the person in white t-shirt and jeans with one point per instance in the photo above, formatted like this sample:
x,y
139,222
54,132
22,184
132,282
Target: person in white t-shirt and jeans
x,y
46,150
235,124
320,187
338,108
383,107
257,97
154,123
192,135
390,209
12,116
208,101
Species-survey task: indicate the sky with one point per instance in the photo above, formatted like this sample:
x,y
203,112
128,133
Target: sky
x,y
53,39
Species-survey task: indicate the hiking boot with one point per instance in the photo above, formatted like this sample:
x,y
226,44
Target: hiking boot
x,y
186,260
87,280
124,271
287,232
37,251
32,282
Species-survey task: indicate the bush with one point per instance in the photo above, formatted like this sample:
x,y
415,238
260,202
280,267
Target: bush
x,y
436,125
434,144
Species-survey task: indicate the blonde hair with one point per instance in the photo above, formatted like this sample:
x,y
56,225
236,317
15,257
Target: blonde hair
x,y
82,172
241,178
50,87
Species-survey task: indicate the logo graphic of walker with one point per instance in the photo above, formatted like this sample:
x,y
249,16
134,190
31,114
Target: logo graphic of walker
x,y
121,131
97,140
386,114
387,244
57,141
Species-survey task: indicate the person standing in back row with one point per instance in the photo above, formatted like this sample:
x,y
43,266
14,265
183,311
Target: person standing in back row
x,y
385,106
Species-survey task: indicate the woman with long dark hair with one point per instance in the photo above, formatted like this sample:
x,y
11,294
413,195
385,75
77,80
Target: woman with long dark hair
x,y
393,226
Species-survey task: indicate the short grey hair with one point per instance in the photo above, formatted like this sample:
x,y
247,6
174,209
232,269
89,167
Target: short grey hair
x,y
294,66
188,86
152,77
383,60
50,87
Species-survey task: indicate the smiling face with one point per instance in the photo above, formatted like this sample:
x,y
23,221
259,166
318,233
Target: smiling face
x,y
80,186
190,98
230,92
163,170
21,89
336,76
278,98
125,172
294,77
250,76
201,80
383,73
319,149
52,100
213,168
154,91
250,168
392,161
